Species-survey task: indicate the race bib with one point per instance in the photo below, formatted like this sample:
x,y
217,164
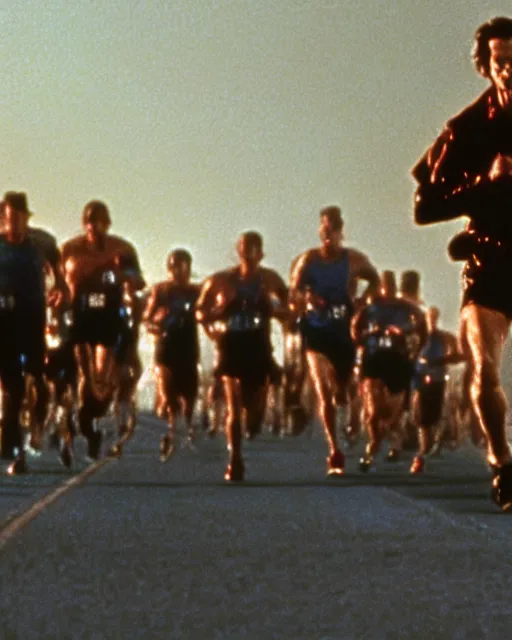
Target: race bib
x,y
385,342
244,322
96,300
7,302
338,311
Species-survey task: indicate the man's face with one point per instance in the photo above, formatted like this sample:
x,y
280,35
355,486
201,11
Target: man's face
x,y
15,221
330,234
500,64
249,252
95,228
179,270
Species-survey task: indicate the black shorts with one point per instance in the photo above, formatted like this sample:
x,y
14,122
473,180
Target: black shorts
x,y
246,355
98,326
431,400
179,348
127,349
484,286
339,350
393,368
184,380
22,342
60,364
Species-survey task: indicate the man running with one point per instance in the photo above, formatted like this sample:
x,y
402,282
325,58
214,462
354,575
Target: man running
x,y
99,268
429,385
169,316
36,393
468,171
323,291
389,332
236,307
22,322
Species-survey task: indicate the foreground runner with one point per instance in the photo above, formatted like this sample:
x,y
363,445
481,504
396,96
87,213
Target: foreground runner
x,y
323,293
236,307
36,390
389,332
429,385
22,322
468,171
98,267
169,316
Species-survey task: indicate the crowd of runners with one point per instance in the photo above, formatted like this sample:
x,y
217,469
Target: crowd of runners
x,y
363,354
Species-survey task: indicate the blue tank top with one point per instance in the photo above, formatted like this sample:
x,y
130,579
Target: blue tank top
x,y
179,330
248,311
180,310
329,280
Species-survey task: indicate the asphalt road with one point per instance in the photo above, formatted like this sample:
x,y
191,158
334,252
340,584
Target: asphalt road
x,y
141,549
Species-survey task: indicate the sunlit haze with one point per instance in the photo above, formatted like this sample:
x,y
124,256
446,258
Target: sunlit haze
x,y
195,120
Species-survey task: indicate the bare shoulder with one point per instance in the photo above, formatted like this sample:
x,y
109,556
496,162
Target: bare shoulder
x,y
215,279
303,259
357,257
72,245
271,275
225,275
160,287
361,266
295,261
121,244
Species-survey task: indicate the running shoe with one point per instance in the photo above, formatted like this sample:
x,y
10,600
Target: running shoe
x,y
336,464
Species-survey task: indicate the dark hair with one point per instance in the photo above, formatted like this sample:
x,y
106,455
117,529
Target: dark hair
x,y
333,214
179,255
496,28
253,239
94,211
16,200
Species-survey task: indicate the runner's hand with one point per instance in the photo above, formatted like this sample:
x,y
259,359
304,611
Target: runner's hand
x,y
501,167
55,298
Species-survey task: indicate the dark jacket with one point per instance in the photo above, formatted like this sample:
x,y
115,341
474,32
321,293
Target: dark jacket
x,y
452,175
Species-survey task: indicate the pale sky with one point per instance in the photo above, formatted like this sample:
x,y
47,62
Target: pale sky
x,y
196,120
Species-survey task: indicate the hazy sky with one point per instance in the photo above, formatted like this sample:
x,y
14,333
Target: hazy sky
x,y
196,120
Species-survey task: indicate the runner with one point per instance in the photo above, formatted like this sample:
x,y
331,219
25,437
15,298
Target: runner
x,y
236,307
429,386
323,291
389,332
468,171
99,268
22,322
169,316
